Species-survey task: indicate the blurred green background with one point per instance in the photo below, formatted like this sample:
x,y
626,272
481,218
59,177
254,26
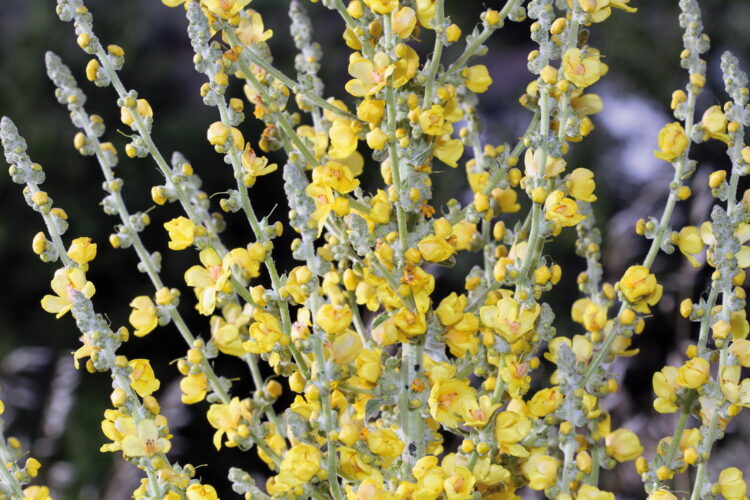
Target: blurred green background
x,y
56,411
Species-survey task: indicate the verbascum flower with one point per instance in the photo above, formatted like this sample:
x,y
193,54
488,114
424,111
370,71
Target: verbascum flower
x,y
82,251
251,30
662,495
731,484
143,440
385,443
209,279
562,211
600,10
197,491
36,493
143,317
300,464
714,122
142,107
382,6
532,161
510,429
181,233
665,387
404,21
623,445
142,378
225,8
640,288
581,70
672,142
448,399
227,419
510,319
369,76
694,373
689,241
589,492
540,470
580,184
63,284
477,78
194,388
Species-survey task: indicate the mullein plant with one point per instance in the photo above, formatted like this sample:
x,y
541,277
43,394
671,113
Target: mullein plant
x,y
382,366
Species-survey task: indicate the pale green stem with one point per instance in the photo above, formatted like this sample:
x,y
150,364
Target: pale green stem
x,y
436,53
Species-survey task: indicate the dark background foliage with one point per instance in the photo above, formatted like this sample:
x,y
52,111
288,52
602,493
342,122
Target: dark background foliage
x,y
56,411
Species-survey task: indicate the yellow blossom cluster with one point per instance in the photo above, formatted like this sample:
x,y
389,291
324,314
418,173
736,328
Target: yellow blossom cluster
x,y
384,368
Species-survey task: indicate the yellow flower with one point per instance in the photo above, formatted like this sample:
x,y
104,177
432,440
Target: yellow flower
x,y
144,440
432,120
181,233
581,184
142,107
545,402
689,241
489,473
666,387
426,12
251,31
448,150
345,347
509,318
599,10
640,288
335,175
82,251
623,445
265,333
714,123
197,491
143,316
225,9
662,495
63,284
540,470
694,373
384,442
382,6
731,484
299,465
561,210
435,249
672,142
532,160
588,492
581,70
448,399
194,388
510,429
227,418
459,484
207,280
477,414
477,78
36,493
255,166
334,319
142,378
371,111
369,76
404,21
